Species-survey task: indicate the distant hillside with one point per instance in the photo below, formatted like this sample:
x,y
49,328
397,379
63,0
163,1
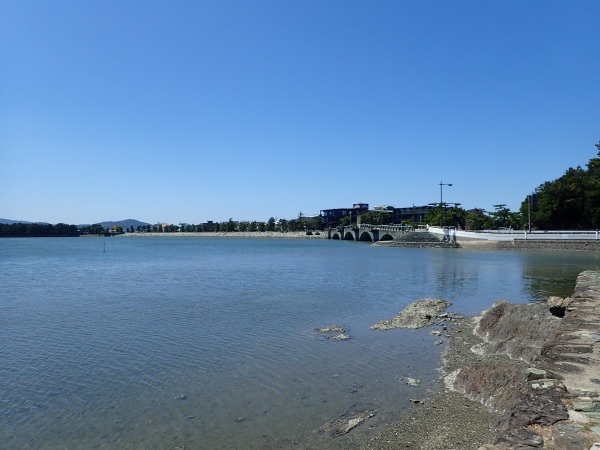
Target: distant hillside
x,y
10,222
127,223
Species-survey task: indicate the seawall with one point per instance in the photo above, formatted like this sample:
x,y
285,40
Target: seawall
x,y
558,245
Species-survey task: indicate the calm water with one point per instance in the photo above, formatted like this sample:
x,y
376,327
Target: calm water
x,y
208,343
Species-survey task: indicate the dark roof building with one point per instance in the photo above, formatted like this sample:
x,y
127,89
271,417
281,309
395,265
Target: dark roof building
x,y
331,217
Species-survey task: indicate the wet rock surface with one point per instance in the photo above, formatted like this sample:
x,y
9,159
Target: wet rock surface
x,y
331,329
517,377
420,314
353,417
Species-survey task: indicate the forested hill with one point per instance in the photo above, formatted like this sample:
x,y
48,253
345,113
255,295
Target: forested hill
x,y
569,202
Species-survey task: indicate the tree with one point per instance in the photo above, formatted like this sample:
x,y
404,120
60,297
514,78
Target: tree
x,y
344,221
230,226
376,217
453,216
271,224
478,220
282,225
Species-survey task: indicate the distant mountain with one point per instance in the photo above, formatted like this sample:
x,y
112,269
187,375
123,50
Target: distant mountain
x,y
10,222
127,223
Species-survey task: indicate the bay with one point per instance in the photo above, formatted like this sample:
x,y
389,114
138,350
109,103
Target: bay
x,y
209,343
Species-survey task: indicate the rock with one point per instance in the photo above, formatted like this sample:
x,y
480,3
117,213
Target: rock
x,y
535,374
419,314
339,337
567,437
578,417
332,329
410,381
521,438
353,417
239,419
595,446
586,406
559,302
519,331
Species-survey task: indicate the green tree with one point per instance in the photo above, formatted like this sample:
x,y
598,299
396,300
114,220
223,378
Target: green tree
x,y
453,216
478,220
230,226
271,224
282,225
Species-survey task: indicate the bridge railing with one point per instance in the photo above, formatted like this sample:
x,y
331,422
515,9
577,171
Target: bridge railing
x,y
509,234
400,228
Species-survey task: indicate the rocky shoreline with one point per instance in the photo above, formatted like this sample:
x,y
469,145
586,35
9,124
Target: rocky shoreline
x,y
515,377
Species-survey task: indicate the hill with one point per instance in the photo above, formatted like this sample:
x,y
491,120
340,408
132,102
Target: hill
x,y
10,222
127,223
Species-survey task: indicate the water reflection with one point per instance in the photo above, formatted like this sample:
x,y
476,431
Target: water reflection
x,y
554,273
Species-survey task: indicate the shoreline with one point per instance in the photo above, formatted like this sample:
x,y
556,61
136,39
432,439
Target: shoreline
x,y
504,388
232,235
552,245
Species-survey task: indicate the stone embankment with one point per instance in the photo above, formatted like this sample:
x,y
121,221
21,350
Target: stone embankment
x,y
559,245
417,239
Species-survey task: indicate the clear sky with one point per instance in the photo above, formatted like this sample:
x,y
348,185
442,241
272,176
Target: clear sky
x,y
188,111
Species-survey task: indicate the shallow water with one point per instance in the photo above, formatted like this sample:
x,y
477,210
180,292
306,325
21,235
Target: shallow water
x,y
209,343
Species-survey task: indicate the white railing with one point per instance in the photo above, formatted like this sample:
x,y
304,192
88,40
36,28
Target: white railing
x,y
401,228
509,234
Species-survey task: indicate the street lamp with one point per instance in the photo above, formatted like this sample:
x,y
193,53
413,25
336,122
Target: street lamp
x,y
442,199
441,191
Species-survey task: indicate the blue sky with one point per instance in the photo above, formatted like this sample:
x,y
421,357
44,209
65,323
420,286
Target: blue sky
x,y
191,111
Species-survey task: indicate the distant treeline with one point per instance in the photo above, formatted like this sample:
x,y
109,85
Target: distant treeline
x,y
38,230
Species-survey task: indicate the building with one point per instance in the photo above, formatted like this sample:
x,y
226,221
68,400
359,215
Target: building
x,y
411,213
331,217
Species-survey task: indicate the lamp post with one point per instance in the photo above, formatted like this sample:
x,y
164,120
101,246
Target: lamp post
x,y
442,199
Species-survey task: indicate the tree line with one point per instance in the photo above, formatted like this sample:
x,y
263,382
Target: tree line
x,y
38,230
569,202
230,226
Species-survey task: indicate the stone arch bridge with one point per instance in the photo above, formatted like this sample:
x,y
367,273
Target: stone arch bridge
x,y
369,233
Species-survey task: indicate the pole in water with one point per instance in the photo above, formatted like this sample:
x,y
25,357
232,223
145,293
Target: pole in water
x,y
105,247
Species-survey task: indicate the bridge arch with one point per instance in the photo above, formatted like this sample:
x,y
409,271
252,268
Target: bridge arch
x,y
386,237
335,236
365,236
349,236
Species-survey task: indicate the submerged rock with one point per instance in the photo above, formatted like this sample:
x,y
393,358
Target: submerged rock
x,y
353,417
410,381
332,329
419,314
339,337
